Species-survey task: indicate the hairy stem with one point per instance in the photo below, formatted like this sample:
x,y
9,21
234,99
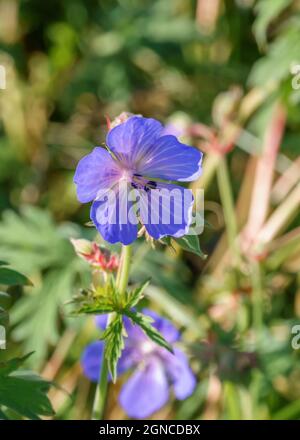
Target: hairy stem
x,y
122,280
101,391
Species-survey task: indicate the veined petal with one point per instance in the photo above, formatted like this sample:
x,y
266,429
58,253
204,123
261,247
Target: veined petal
x,y
113,215
166,210
169,159
180,373
96,171
133,139
146,391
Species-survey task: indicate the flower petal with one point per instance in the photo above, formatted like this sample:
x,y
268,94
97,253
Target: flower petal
x,y
133,139
96,171
166,210
128,359
114,217
169,159
146,391
91,360
180,373
101,321
164,326
132,354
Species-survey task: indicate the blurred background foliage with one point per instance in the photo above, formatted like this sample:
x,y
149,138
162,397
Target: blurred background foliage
x,y
225,73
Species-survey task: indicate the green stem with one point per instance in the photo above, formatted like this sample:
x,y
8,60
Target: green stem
x,y
121,284
123,276
228,204
257,299
101,392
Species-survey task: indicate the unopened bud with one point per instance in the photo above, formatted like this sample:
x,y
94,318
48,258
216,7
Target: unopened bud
x,y
98,257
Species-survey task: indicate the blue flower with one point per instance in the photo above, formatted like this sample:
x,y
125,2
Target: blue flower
x,y
140,159
155,370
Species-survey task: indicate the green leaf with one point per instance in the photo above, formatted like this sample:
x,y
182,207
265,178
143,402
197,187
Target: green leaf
x,y
40,329
11,277
33,244
13,364
282,53
3,317
190,243
267,11
5,299
133,298
94,306
103,299
144,322
97,309
114,343
24,392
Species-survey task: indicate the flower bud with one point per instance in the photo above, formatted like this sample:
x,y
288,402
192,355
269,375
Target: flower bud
x,y
98,257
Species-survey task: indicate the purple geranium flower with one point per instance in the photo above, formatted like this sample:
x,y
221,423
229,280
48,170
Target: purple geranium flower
x,y
155,369
142,160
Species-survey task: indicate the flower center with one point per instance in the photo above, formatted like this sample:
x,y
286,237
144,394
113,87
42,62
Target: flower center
x,y
127,175
139,182
148,347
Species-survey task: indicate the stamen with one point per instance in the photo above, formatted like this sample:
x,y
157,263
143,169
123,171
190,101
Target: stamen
x,y
140,182
151,184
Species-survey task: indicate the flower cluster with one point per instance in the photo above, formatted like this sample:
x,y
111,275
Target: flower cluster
x,y
155,369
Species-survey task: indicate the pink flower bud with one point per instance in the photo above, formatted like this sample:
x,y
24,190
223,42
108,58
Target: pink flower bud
x,y
98,257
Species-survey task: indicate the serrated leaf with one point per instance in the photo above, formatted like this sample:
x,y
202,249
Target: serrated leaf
x,y
145,322
13,364
24,392
101,300
267,11
40,329
133,298
190,243
11,277
96,310
31,241
33,244
96,306
114,344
